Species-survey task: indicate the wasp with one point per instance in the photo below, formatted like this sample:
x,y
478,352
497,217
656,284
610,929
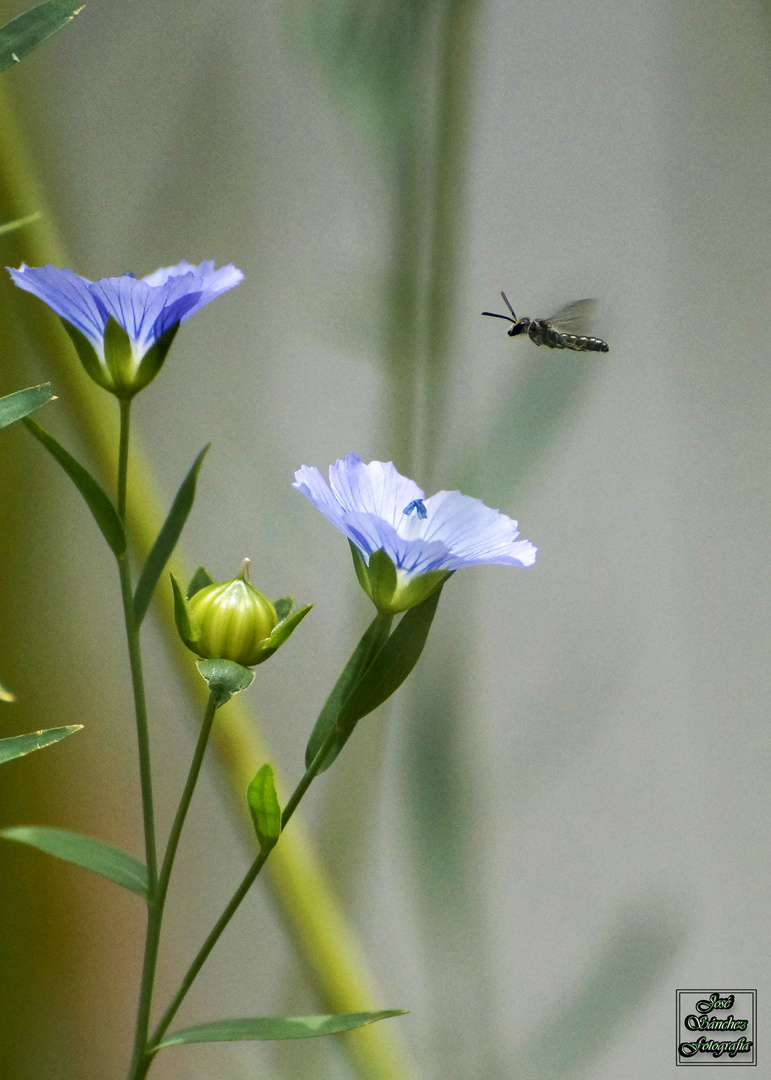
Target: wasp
x,y
561,331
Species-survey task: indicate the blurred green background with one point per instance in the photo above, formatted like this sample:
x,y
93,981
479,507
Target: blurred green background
x,y
563,816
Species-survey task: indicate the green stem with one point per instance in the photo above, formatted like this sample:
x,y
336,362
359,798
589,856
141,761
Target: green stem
x,y
141,1059
135,660
294,801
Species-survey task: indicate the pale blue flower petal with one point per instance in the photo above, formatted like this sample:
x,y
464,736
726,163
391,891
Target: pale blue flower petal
x,y
146,308
366,502
66,293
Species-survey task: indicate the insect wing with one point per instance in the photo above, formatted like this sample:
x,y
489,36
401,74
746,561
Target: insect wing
x,y
575,318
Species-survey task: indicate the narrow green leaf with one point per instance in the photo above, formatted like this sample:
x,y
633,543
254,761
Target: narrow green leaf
x,y
284,607
200,580
225,678
19,223
264,805
371,640
99,503
23,402
273,1028
30,29
187,627
84,851
386,672
167,539
393,663
19,745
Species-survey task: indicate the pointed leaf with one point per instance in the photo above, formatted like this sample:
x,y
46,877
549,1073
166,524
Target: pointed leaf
x,y
19,745
30,29
264,805
187,627
84,851
23,402
225,678
167,539
284,607
386,673
272,1028
200,580
19,223
99,503
371,640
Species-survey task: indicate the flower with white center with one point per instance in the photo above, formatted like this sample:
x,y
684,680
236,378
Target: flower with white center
x,y
404,544
123,327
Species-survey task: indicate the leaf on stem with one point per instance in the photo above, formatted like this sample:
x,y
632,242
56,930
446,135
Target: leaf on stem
x,y
273,1028
351,673
264,805
98,500
167,539
30,29
23,402
84,851
19,745
381,677
225,678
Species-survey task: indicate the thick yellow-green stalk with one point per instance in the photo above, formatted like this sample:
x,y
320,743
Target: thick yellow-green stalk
x,y
303,890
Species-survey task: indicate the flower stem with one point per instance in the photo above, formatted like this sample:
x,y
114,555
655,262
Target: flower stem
x,y
294,801
141,1059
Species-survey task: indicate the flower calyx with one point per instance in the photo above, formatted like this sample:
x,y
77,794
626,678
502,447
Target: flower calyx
x,y
231,620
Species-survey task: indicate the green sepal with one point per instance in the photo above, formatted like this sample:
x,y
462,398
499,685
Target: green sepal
x,y
264,805
284,607
273,1028
383,675
88,356
419,589
282,631
187,627
361,568
225,678
382,580
19,745
152,362
16,406
370,642
99,503
30,29
167,539
201,579
84,851
19,223
119,359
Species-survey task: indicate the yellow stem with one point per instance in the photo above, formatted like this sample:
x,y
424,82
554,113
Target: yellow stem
x,y
302,888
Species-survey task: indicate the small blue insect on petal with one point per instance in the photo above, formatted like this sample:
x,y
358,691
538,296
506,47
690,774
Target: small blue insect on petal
x,y
418,506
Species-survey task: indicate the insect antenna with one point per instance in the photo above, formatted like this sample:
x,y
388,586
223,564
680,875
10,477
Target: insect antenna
x,y
494,314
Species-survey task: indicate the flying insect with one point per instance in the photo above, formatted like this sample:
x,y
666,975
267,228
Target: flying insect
x,y
563,330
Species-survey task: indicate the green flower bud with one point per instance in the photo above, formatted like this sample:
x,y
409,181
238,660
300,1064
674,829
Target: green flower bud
x,y
233,621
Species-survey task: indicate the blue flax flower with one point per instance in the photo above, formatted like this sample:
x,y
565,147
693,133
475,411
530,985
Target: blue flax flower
x,y
122,327
405,545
